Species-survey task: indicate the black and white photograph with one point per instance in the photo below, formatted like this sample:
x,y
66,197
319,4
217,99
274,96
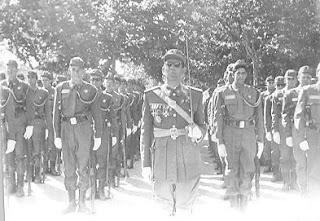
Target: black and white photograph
x,y
160,110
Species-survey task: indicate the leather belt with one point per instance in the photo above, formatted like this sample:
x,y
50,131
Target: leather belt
x,y
172,132
239,123
75,119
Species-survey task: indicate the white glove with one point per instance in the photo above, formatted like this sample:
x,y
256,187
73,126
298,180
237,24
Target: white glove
x,y
29,132
289,141
214,138
114,141
129,131
276,137
146,173
58,143
194,132
96,143
11,144
134,129
260,149
304,146
222,150
269,136
47,134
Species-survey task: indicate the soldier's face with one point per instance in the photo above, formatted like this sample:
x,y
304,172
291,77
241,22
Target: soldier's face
x,y
270,85
32,81
76,73
173,71
46,82
240,76
12,71
290,82
305,79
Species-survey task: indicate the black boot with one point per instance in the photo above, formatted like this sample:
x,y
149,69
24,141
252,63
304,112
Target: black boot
x,y
20,191
276,175
37,178
72,206
11,182
82,203
101,194
53,170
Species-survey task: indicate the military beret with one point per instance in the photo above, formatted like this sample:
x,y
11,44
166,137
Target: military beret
x,y
239,64
269,79
12,62
32,74
305,70
174,54
96,74
291,73
76,61
279,80
47,74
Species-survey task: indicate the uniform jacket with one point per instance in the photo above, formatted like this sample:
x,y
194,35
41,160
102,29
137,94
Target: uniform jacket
x,y
276,110
173,160
7,113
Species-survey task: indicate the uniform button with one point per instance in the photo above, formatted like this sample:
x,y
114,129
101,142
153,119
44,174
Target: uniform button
x,y
174,94
174,115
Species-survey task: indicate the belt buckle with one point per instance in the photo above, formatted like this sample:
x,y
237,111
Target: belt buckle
x,y
73,120
173,133
241,124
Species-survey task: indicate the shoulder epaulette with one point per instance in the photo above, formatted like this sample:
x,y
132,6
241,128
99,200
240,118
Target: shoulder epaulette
x,y
151,89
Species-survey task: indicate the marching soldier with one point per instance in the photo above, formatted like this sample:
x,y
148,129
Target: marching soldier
x,y
53,152
21,125
42,117
307,121
266,155
278,130
289,105
172,124
239,126
74,108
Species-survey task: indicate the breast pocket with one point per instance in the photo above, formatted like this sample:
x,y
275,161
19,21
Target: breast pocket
x,y
231,104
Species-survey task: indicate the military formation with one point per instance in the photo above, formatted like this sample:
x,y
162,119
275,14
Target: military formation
x,y
95,125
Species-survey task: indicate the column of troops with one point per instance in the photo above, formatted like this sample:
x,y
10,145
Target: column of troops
x,y
96,120
278,128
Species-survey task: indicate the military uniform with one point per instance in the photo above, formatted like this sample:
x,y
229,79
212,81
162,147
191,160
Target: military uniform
x,y
239,126
176,160
307,121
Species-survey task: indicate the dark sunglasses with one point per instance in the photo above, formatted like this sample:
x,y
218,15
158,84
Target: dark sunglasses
x,y
176,65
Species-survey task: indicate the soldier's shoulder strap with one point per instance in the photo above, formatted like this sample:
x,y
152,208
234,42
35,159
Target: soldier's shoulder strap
x,y
5,96
258,101
151,89
195,89
173,104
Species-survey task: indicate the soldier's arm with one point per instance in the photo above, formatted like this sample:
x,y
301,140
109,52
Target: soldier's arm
x,y
259,120
267,114
9,117
146,137
128,114
48,114
199,115
287,114
29,106
299,115
57,112
97,116
274,114
218,116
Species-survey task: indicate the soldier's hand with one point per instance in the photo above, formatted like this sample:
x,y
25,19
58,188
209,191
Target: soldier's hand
x,y
134,129
304,146
194,132
11,144
96,143
114,141
146,173
289,141
260,149
269,136
129,131
29,132
47,133
214,138
276,137
58,143
222,150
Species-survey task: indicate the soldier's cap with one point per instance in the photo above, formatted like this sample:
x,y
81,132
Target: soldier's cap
x,y
76,61
21,76
174,54
47,74
270,79
12,62
61,78
291,73
96,74
279,80
239,64
305,70
32,74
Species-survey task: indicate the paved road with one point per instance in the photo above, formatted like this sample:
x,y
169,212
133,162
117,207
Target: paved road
x,y
133,200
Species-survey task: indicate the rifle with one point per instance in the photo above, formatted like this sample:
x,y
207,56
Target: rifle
x,y
109,146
